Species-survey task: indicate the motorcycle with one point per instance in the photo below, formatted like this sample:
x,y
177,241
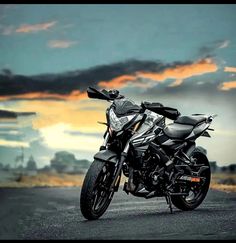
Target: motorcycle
x,y
158,160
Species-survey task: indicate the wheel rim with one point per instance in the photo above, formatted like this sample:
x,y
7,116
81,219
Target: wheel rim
x,y
101,190
197,191
194,194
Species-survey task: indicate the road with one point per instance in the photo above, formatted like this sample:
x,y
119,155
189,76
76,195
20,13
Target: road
x,y
54,213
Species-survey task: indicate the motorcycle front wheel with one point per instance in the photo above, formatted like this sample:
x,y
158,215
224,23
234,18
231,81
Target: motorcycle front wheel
x,y
95,195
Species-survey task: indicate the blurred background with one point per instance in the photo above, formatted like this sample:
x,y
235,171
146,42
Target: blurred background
x,y
183,56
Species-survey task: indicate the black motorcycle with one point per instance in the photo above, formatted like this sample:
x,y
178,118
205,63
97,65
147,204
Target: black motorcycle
x,y
159,160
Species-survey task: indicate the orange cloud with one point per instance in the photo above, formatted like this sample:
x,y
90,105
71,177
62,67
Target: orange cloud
x,y
179,73
27,28
76,113
182,71
117,82
61,43
74,95
228,85
230,69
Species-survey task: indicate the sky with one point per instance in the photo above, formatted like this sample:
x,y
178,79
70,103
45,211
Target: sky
x,y
182,55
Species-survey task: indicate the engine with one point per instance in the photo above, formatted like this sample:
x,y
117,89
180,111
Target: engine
x,y
148,167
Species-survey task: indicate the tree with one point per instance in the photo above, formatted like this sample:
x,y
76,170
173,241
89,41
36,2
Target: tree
x,y
224,168
65,162
232,168
62,161
31,164
213,166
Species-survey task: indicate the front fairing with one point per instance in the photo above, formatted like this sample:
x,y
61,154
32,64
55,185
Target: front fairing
x,y
121,113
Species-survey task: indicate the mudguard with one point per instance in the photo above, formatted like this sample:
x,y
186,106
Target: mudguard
x,y
107,156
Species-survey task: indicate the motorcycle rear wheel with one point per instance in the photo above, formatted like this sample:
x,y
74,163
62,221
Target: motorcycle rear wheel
x,y
197,194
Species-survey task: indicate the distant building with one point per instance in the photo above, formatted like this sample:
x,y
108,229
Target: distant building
x,y
31,166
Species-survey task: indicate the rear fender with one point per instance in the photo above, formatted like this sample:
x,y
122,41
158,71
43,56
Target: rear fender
x,y
202,153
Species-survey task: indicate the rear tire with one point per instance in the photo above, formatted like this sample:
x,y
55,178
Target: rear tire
x,y
91,188
181,202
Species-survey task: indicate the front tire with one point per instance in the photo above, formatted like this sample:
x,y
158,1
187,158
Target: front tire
x,y
188,203
95,196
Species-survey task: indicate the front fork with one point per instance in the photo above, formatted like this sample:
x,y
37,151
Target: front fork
x,y
104,145
119,164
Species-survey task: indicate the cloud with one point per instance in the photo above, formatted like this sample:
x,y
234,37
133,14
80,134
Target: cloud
x,y
70,85
117,82
61,43
227,85
10,132
74,95
223,44
63,98
13,114
177,72
7,143
183,71
54,135
177,82
210,48
68,112
79,133
26,28
73,85
32,28
7,114
230,69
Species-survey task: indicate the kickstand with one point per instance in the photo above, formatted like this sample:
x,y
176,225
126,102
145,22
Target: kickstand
x,y
168,201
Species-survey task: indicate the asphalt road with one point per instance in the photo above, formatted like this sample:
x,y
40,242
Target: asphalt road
x,y
54,213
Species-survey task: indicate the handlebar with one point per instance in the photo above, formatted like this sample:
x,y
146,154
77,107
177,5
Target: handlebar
x,y
104,94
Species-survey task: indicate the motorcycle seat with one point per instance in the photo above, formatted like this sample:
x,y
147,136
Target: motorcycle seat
x,y
179,131
190,120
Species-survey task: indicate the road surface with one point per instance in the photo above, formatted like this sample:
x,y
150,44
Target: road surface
x,y
54,213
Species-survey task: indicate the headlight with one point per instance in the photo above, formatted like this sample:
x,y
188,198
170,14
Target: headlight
x,y
116,123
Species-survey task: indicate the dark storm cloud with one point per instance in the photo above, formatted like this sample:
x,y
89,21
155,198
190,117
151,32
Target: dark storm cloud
x,y
65,83
7,114
13,115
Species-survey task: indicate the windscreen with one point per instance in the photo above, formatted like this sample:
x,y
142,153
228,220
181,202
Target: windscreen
x,y
125,107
